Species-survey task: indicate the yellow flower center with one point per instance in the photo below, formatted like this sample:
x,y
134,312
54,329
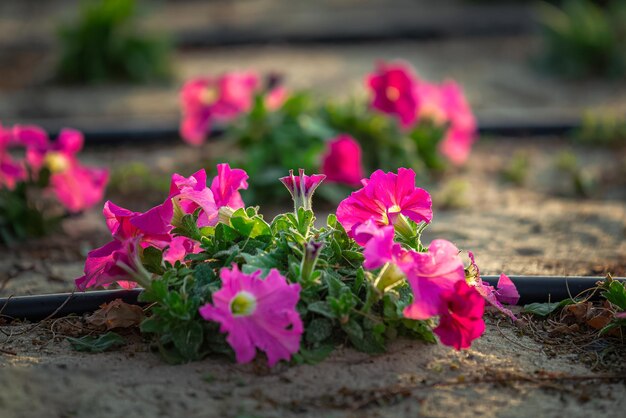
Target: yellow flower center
x,y
209,95
56,162
392,93
243,304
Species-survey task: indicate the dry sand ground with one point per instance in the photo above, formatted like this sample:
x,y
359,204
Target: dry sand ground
x,y
530,230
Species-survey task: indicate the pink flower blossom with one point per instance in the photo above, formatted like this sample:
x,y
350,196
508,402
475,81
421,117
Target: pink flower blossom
x,y
506,293
77,187
111,263
432,273
302,187
460,316
178,249
393,87
342,161
381,248
226,186
257,313
191,193
446,104
275,98
383,198
204,100
11,171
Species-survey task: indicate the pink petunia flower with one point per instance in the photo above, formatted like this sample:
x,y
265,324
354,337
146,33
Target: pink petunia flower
x,y
302,187
384,197
276,97
132,232
178,249
506,293
446,104
257,313
342,161
381,248
77,187
460,316
226,186
204,100
11,171
432,273
393,87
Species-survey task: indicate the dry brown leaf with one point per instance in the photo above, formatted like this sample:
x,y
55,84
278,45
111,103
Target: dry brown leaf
x,y
117,314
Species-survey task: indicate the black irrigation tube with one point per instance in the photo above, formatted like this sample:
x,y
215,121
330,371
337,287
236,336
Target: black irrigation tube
x,y
151,134
38,307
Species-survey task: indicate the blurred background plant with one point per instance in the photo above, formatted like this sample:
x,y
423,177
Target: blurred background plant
x,y
603,128
584,38
104,45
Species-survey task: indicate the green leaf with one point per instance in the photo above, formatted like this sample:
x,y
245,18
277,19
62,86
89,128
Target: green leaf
x,y
315,355
322,308
93,344
187,339
251,227
153,260
318,330
545,309
616,294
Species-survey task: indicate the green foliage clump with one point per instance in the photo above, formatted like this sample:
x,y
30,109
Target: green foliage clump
x,y
339,301
582,39
606,129
103,45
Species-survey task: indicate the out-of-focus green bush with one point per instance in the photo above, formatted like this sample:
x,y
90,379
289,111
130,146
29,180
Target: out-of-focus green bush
x,y
581,38
103,44
603,128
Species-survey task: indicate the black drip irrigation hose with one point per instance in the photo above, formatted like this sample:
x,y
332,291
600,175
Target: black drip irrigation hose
x,y
38,307
150,134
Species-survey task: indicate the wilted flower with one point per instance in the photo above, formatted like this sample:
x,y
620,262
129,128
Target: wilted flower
x,y
302,187
384,198
393,87
257,313
506,293
432,273
460,316
342,161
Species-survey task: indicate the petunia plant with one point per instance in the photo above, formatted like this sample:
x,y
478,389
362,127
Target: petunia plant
x,y
221,279
41,181
404,121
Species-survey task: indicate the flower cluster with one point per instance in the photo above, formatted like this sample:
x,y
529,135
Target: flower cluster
x,y
218,275
29,160
205,100
397,91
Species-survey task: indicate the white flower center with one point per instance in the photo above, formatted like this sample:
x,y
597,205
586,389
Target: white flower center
x,y
243,304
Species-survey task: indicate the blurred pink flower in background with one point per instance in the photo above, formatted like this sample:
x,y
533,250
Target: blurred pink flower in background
x,y
206,99
382,199
342,161
393,87
446,104
11,171
276,97
460,316
257,313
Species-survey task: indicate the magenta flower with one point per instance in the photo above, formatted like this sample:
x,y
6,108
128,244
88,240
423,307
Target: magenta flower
x,y
178,249
506,293
393,88
384,197
432,273
191,193
446,105
275,98
302,187
381,249
77,187
226,186
116,262
342,161
460,316
257,313
204,100
11,171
